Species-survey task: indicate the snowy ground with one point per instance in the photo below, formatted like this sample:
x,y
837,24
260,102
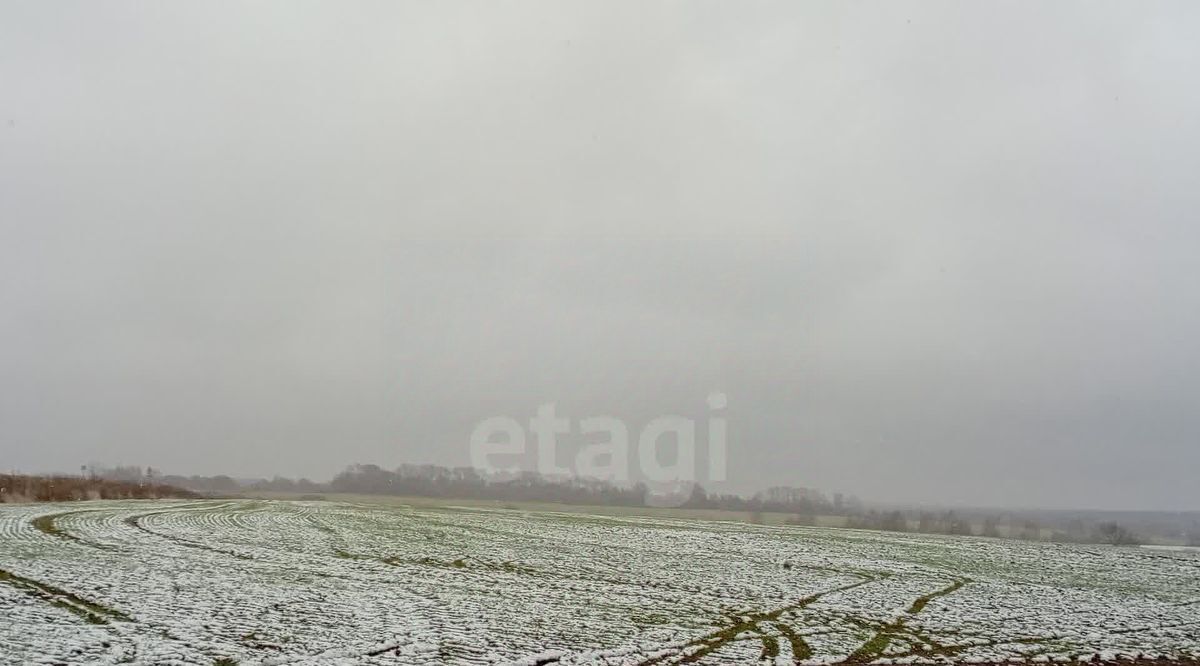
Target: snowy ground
x,y
260,582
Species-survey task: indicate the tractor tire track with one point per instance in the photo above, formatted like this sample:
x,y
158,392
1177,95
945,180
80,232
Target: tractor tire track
x,y
134,521
48,525
91,612
714,641
874,647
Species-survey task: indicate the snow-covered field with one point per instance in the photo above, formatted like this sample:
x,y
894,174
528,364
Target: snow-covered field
x,y
200,582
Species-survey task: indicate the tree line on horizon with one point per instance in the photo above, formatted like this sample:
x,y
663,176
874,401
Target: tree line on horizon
x,y
21,488
804,506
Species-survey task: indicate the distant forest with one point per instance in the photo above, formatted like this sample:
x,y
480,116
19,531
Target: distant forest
x,y
801,506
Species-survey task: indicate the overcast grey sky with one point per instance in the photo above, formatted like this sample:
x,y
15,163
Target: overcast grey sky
x,y
932,252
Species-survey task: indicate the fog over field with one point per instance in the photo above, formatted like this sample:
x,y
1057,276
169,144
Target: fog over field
x,y
931,252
